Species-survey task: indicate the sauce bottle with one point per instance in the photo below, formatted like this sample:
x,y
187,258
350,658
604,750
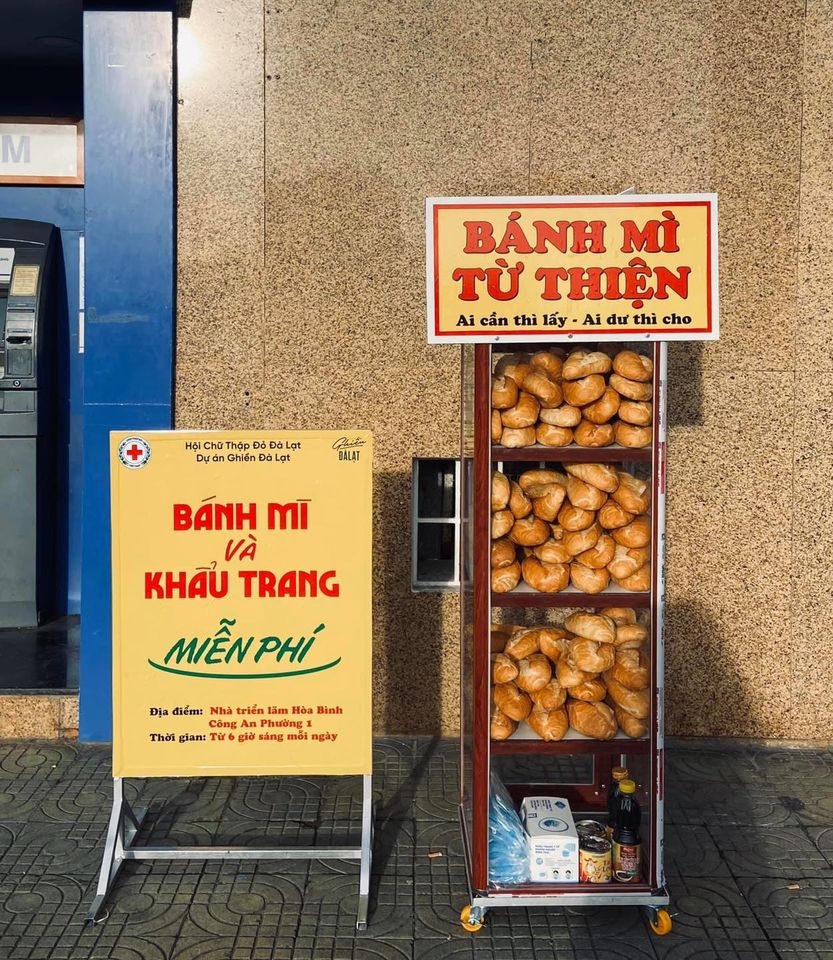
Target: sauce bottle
x,y
625,852
617,775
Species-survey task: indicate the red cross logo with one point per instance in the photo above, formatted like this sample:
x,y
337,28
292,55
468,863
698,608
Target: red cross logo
x,y
134,452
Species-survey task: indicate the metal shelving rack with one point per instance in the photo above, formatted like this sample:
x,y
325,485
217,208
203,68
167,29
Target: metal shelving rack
x,y
643,757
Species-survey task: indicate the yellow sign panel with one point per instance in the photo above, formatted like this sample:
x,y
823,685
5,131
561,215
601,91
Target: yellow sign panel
x,y
241,603
580,268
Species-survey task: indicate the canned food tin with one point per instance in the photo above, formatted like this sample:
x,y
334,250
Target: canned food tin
x,y
590,828
594,860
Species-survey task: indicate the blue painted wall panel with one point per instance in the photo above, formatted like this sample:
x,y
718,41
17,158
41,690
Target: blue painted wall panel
x,y
129,191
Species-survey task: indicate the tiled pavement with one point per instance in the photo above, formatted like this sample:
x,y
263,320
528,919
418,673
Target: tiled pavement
x,y
749,858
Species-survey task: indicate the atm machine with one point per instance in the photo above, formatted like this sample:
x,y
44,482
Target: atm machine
x,y
28,428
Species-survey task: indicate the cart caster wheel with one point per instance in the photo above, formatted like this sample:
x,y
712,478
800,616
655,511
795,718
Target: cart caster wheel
x,y
660,922
471,918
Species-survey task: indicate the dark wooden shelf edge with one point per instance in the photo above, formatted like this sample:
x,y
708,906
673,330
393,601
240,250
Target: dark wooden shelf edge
x,y
572,454
618,599
568,747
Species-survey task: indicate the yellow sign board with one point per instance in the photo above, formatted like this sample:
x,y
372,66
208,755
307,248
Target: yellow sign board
x,y
577,268
241,603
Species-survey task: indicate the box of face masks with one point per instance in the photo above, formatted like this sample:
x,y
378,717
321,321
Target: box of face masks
x,y
552,839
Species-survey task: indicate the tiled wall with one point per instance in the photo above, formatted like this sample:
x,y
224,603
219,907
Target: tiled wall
x,y
310,133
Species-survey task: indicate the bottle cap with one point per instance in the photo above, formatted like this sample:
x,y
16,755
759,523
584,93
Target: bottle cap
x,y
619,773
627,786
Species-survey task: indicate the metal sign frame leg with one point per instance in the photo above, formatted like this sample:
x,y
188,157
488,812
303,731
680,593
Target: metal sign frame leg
x,y
124,825
120,836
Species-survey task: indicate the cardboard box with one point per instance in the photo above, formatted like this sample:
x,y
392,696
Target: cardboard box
x,y
552,840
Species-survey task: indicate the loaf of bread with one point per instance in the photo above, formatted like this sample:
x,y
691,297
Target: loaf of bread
x,y
611,516
636,702
504,668
502,523
591,656
632,493
578,393
630,635
504,579
591,690
534,672
519,502
512,700
593,626
516,369
577,541
631,389
627,435
521,437
547,500
634,366
549,724
547,361
581,363
571,517
627,560
524,413
503,553
521,643
588,434
496,427
563,416
554,551
543,389
508,360
631,668
501,727
549,435
545,577
594,720
531,479
550,697
638,582
500,490
554,642
569,675
589,579
599,475
603,409
583,494
504,393
530,531
619,615
635,534
638,412
630,725
599,555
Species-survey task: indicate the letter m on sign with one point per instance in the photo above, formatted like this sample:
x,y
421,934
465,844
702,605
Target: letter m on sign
x,y
15,153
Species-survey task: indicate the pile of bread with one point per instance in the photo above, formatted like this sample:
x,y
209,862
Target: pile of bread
x,y
590,398
593,675
586,527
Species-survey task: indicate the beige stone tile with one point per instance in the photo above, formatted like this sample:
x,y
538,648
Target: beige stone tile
x,y
704,101
370,110
220,314
332,361
210,395
68,717
220,131
729,529
811,652
814,346
29,717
